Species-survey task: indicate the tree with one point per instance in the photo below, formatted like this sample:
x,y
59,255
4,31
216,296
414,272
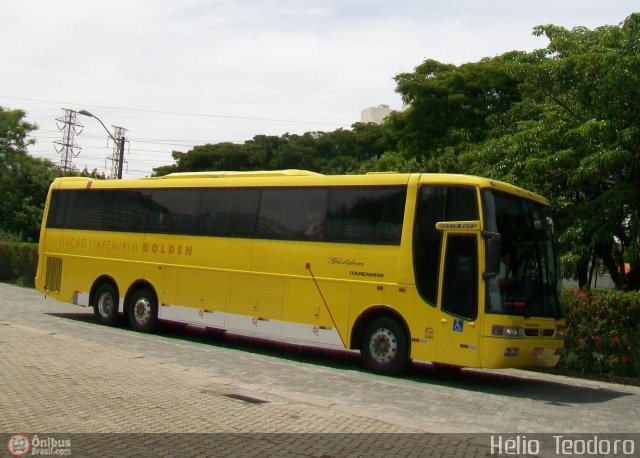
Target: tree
x,y
339,151
575,137
450,106
220,156
24,180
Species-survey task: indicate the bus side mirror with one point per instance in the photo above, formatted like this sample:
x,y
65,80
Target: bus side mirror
x,y
491,254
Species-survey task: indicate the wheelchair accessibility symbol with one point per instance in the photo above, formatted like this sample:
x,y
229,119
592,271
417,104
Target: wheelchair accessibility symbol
x,y
458,325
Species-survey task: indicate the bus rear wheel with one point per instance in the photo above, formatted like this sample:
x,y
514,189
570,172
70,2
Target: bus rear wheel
x,y
384,347
105,304
143,311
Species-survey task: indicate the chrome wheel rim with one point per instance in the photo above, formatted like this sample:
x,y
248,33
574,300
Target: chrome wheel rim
x,y
383,345
142,310
105,305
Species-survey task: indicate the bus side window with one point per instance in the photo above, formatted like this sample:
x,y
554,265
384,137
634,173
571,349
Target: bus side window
x,y
229,212
127,210
174,211
460,284
57,209
366,214
86,209
427,240
293,214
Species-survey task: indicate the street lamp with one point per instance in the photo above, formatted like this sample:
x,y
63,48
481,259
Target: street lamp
x,y
119,142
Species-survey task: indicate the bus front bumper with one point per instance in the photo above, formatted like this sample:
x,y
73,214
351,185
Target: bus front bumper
x,y
498,352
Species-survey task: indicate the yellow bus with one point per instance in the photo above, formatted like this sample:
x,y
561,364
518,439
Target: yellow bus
x,y
451,269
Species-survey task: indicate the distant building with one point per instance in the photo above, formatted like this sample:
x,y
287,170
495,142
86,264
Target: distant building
x,y
375,114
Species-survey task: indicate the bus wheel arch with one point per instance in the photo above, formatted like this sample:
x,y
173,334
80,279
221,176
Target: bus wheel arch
x,y
104,297
141,306
383,338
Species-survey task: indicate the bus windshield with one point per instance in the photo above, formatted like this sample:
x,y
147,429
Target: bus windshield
x,y
528,281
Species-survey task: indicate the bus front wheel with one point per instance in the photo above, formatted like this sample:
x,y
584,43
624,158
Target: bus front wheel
x,y
143,311
384,347
105,304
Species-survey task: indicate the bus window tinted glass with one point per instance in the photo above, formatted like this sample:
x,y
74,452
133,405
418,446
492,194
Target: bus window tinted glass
x,y
436,204
334,214
85,210
427,240
229,212
366,214
57,209
462,204
174,211
127,210
293,214
528,281
460,283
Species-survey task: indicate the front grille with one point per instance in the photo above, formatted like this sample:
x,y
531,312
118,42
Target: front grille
x,y
548,332
53,277
531,332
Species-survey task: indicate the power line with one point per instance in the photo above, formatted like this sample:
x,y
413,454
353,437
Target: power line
x,y
165,142
199,115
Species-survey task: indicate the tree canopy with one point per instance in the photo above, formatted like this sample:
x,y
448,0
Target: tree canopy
x,y
575,137
339,151
450,107
25,180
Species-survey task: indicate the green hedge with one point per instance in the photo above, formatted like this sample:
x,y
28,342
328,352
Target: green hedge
x,y
603,332
18,262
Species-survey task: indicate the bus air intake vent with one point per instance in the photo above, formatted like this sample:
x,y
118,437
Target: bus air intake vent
x,y
54,274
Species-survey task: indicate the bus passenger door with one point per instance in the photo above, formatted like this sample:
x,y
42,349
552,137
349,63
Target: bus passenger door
x,y
458,334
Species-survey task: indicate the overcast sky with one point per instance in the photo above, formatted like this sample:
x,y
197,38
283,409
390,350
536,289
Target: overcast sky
x,y
178,73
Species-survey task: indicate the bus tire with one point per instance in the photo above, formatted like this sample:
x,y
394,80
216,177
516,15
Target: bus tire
x,y
384,347
105,304
143,311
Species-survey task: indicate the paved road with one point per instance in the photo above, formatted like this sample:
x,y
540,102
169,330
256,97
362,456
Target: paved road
x,y
62,373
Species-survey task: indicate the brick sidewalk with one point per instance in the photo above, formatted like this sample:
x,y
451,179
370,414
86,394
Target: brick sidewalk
x,y
60,372
56,384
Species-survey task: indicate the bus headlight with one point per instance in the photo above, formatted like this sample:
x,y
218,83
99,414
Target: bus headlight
x,y
507,331
561,332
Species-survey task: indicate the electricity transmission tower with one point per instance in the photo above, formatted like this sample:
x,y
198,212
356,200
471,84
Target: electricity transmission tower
x,y
67,147
117,154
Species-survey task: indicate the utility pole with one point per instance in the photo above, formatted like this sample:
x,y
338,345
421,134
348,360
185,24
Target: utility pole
x,y
117,155
119,139
70,127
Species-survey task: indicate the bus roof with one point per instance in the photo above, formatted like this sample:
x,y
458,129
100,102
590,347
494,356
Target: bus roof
x,y
291,177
